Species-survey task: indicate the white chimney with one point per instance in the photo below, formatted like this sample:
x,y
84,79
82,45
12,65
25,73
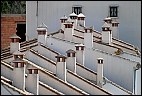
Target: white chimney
x,y
81,21
42,33
71,60
14,45
32,81
63,20
100,72
88,38
61,67
106,34
80,53
69,29
19,73
108,20
18,54
73,17
114,28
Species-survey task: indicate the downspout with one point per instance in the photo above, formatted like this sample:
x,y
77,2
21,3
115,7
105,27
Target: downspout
x,y
135,69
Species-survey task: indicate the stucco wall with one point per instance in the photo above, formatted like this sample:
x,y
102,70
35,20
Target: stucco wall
x,y
50,12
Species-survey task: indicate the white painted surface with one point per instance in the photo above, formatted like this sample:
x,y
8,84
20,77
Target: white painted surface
x,y
57,84
6,72
100,74
32,83
83,85
71,63
42,38
40,61
50,12
19,77
61,70
14,46
88,40
116,69
109,87
68,33
106,38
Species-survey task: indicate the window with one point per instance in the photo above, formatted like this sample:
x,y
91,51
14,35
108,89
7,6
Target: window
x,y
113,11
77,9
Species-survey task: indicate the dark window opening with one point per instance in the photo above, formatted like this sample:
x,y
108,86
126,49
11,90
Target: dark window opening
x,y
77,9
21,32
113,11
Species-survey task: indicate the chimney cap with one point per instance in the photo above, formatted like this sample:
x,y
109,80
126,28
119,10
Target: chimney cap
x,y
79,45
18,53
69,21
32,68
73,14
70,51
18,60
107,18
60,56
64,17
100,59
15,36
81,15
115,22
106,25
42,27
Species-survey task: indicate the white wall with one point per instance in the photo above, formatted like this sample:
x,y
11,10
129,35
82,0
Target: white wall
x,y
59,45
40,61
76,81
57,84
6,71
50,12
116,69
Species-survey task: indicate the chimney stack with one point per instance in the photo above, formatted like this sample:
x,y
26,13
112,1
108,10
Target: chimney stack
x,y
114,28
100,72
32,81
63,20
71,60
108,20
14,45
61,67
80,53
88,38
19,73
106,34
42,33
18,54
69,29
73,17
81,21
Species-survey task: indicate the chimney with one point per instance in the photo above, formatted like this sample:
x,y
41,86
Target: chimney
x,y
71,60
80,53
14,45
19,73
114,28
108,20
106,34
81,21
32,81
73,17
42,33
61,67
100,72
69,29
88,38
18,54
63,20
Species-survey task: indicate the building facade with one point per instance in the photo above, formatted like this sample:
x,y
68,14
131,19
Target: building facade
x,y
128,14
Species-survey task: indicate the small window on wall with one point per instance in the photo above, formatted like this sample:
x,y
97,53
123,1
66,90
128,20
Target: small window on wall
x,y
113,11
77,9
